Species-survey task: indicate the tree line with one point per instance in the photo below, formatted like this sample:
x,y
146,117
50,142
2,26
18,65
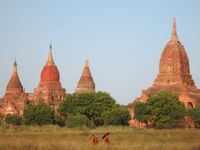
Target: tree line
x,y
93,109
162,110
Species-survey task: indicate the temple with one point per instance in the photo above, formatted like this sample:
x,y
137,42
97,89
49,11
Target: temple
x,y
15,98
174,75
86,83
49,90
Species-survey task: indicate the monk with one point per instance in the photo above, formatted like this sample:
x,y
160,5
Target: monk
x,y
95,140
106,138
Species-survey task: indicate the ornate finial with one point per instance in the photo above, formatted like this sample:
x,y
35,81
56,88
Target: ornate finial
x,y
15,65
174,36
50,59
86,63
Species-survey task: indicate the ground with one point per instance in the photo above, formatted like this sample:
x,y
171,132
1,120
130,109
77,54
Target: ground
x,y
122,138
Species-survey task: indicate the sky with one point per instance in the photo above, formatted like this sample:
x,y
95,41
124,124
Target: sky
x,y
122,40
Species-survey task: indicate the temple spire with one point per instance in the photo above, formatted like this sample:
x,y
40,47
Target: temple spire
x,y
50,59
86,83
15,65
86,63
174,36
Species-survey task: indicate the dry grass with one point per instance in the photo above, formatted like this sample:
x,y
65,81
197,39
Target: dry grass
x,y
122,138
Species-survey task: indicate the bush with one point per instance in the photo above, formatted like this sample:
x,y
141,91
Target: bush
x,y
195,115
77,121
59,120
39,114
13,120
117,116
93,105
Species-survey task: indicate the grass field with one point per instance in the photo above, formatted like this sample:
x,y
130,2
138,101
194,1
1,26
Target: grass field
x,y
122,138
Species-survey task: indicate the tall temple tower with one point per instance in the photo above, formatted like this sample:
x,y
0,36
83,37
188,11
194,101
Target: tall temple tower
x,y
14,98
86,83
174,75
49,90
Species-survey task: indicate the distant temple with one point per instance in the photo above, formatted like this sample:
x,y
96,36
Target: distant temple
x,y
15,97
86,83
49,89
174,75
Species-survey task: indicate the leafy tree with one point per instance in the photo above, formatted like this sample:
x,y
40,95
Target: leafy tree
x,y
93,105
161,110
117,116
195,115
13,119
29,114
77,121
142,112
39,114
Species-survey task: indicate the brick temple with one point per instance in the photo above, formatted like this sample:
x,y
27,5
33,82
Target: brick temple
x,y
49,89
174,75
86,83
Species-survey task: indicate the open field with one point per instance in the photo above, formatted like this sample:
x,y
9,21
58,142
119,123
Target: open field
x,y
122,138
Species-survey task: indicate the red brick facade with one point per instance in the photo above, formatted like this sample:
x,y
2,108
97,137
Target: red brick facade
x,y
174,75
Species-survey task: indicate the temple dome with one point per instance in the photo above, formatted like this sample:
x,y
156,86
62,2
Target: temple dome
x,y
14,85
50,73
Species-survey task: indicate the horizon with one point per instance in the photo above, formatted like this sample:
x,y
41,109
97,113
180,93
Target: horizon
x,y
123,42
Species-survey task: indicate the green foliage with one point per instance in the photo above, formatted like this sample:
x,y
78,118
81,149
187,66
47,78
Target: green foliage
x,y
77,121
195,115
13,120
92,105
142,112
117,116
39,114
161,110
59,120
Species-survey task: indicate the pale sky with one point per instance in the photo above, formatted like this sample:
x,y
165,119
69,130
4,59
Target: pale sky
x,y
122,40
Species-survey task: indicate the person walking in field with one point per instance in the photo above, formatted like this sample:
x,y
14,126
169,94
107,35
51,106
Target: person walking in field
x,y
95,140
106,138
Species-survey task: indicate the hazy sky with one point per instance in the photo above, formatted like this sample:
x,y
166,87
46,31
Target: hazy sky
x,y
123,41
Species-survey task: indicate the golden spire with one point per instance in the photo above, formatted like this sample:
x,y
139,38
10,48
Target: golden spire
x,y
174,36
50,59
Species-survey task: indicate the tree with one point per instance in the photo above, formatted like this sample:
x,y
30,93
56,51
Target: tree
x,y
117,116
39,114
93,105
161,110
142,112
195,115
13,120
77,121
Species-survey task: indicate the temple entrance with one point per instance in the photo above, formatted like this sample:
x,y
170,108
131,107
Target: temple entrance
x,y
190,105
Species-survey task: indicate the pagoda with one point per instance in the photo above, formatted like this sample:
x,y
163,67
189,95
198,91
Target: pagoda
x,y
86,83
15,97
49,90
174,75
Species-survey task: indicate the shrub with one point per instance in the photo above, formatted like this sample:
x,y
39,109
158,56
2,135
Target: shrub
x,y
13,120
39,114
77,121
117,116
93,105
195,115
